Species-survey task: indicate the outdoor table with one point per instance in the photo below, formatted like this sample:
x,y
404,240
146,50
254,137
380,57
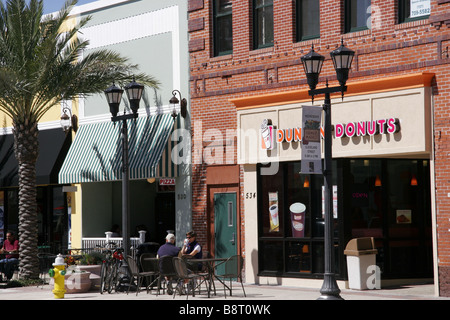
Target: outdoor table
x,y
210,264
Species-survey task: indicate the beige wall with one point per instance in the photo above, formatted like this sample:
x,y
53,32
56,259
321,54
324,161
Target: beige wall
x,y
411,106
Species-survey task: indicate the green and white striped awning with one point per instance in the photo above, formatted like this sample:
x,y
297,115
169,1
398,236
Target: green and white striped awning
x,y
96,153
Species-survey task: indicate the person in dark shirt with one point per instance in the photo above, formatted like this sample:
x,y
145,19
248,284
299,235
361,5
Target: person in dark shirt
x,y
192,249
169,248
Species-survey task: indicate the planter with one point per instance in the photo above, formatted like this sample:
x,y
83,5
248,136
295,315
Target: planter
x,y
95,270
75,282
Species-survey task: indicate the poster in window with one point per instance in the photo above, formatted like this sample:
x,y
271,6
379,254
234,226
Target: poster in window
x,y
419,8
273,212
403,216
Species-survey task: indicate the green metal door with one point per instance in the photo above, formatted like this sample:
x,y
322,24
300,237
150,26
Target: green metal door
x,y
225,226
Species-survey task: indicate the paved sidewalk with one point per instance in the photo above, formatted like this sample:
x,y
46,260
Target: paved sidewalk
x,y
254,292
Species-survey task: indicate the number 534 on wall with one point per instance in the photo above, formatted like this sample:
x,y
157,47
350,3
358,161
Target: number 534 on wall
x,y
250,195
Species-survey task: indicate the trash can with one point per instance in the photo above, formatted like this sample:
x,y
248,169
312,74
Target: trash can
x,y
361,254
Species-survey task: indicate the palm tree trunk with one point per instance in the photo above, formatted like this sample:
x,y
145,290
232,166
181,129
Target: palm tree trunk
x,y
26,148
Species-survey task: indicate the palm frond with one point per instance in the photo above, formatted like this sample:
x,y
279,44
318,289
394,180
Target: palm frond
x,y
40,61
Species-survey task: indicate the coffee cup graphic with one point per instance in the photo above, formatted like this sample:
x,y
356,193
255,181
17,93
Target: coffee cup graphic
x,y
297,211
266,134
274,222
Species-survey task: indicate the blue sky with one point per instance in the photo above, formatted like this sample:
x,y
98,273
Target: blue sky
x,y
56,5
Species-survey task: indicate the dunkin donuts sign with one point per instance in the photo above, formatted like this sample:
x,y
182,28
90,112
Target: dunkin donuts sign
x,y
270,135
367,128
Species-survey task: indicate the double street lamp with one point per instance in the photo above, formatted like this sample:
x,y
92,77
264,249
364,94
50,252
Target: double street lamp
x,y
114,94
312,63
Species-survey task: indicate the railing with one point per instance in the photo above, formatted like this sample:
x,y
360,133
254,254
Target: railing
x,y
92,243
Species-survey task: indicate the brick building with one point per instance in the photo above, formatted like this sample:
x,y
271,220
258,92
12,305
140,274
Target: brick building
x,y
245,68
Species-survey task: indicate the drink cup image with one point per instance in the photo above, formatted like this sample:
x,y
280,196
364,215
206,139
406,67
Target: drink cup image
x,y
274,222
266,135
297,211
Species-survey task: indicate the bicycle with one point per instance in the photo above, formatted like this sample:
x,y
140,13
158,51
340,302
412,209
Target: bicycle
x,y
109,276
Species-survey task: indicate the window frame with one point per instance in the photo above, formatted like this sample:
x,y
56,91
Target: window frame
x,y
215,16
257,24
347,18
298,23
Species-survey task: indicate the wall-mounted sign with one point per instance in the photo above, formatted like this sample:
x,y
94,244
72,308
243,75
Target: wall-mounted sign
x,y
271,136
267,135
167,182
367,128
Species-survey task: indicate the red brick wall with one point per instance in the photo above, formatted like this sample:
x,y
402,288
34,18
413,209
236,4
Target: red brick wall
x,y
387,49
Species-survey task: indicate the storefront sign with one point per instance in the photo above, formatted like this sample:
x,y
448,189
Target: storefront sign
x,y
166,182
271,136
311,153
367,128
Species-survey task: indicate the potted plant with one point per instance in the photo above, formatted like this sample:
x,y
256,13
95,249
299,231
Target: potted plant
x,y
92,262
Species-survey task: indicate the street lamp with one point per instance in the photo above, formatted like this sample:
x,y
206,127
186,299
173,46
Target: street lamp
x,y
183,104
312,62
113,96
68,120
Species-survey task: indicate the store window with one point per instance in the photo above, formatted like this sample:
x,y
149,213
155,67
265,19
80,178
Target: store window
x,y
387,199
364,186
262,23
357,15
291,221
223,29
52,219
412,10
307,20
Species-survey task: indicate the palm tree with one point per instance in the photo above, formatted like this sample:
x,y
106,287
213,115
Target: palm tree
x,y
40,66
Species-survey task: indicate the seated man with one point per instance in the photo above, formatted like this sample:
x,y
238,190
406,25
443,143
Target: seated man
x,y
168,249
11,250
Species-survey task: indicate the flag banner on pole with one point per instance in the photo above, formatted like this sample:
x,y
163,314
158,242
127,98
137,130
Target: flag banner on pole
x,y
311,152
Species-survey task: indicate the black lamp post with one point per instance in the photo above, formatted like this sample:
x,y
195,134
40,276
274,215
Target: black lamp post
x,y
113,96
312,62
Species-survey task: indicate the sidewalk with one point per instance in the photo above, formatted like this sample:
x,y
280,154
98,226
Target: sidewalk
x,y
254,292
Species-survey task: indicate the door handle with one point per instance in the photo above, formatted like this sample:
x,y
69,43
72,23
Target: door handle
x,y
234,238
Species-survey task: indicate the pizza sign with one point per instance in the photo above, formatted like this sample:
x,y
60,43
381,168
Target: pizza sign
x,y
167,182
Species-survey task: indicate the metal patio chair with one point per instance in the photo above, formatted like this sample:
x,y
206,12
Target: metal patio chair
x,y
183,274
135,273
233,270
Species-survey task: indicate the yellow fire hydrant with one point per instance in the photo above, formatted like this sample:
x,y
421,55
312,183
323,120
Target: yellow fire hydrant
x,y
58,273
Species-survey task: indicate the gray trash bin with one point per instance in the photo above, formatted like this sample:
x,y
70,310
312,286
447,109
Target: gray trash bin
x,y
361,254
